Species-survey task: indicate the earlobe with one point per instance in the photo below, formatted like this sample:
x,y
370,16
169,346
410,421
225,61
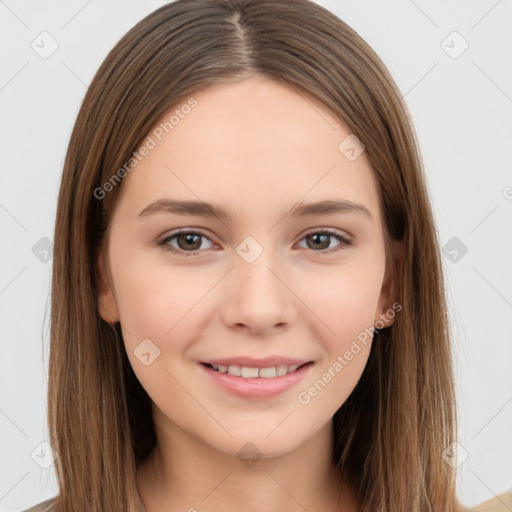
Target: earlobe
x,y
107,303
386,311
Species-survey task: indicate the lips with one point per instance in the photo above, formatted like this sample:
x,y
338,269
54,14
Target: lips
x,y
257,382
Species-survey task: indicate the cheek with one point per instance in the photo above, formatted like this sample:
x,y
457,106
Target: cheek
x,y
163,311
347,315
159,309
155,301
333,383
344,300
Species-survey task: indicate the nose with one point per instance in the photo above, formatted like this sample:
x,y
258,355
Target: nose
x,y
258,297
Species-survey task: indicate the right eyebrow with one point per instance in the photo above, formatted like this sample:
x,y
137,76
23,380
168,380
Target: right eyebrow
x,y
197,208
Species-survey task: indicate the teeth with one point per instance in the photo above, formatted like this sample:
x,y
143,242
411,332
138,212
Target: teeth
x,y
249,372
234,370
268,372
282,370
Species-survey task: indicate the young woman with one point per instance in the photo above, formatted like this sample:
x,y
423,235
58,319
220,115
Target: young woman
x,y
248,308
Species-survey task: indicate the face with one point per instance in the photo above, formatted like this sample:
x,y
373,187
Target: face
x,y
265,286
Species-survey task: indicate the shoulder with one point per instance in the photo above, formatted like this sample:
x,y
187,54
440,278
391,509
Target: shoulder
x,y
500,503
44,506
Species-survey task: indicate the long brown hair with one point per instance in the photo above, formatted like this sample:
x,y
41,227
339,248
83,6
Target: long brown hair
x,y
390,434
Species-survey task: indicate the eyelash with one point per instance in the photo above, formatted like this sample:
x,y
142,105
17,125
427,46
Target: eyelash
x,y
344,241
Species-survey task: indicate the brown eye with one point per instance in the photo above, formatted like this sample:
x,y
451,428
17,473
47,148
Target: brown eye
x,y
186,242
189,241
320,241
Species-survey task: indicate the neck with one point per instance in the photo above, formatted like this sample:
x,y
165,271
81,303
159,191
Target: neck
x,y
182,473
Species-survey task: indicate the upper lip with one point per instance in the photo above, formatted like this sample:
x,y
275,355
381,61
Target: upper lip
x,y
251,362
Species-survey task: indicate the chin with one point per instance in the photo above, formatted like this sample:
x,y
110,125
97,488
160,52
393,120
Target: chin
x,y
253,443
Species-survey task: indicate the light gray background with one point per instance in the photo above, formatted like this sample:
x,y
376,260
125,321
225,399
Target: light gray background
x,y
461,108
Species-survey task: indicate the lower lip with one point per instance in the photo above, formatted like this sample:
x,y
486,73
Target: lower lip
x,y
257,387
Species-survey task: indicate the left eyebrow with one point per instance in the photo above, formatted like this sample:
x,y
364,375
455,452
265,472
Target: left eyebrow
x,y
203,209
329,206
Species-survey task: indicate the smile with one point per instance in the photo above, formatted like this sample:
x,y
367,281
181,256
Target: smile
x,y
253,372
251,382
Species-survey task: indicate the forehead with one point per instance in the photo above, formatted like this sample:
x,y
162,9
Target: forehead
x,y
250,143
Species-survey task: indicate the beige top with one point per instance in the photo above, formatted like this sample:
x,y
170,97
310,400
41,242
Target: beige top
x,y
501,503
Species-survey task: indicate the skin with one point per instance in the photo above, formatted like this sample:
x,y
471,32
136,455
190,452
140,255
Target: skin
x,y
257,147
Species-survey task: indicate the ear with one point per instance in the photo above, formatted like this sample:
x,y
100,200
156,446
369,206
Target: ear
x,y
107,303
390,286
